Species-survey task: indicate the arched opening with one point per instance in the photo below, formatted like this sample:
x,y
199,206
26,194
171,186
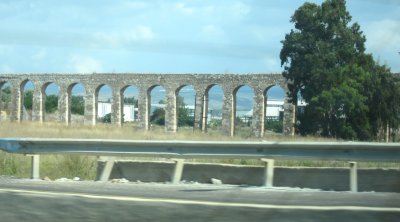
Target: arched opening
x,y
243,110
76,99
185,106
130,95
213,108
26,100
156,107
50,93
274,100
5,100
103,103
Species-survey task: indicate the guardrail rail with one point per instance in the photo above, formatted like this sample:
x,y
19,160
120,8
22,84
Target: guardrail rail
x,y
180,150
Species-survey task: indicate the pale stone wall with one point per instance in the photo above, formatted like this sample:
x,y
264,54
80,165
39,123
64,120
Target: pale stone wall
x,y
172,83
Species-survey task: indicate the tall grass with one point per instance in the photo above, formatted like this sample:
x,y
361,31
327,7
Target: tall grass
x,y
51,166
128,131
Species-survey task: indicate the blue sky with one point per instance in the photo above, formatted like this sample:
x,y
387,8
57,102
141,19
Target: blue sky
x,y
225,36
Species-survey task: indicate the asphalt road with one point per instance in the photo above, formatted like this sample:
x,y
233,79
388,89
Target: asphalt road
x,y
30,200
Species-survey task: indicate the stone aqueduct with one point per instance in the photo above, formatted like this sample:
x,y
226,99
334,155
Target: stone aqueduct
x,y
172,83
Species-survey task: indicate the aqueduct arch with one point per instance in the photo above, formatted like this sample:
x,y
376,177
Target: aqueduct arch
x,y
144,82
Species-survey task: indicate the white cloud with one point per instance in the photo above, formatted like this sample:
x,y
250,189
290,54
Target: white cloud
x,y
6,49
141,33
239,9
41,54
6,69
181,7
383,34
121,38
212,31
135,4
267,33
383,41
272,64
84,64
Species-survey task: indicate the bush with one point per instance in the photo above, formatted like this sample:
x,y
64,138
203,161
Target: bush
x,y
106,118
274,125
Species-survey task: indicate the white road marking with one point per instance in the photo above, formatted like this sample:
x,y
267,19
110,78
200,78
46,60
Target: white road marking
x,y
201,202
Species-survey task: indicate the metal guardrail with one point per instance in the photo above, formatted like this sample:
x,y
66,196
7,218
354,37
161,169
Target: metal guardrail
x,y
346,151
180,150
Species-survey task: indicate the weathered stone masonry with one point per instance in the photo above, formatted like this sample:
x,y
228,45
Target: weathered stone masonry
x,y
172,83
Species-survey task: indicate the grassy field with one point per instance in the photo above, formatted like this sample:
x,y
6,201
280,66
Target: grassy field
x,y
128,131
57,166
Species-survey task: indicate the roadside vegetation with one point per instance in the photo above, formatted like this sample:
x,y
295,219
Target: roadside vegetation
x,y
349,96
84,167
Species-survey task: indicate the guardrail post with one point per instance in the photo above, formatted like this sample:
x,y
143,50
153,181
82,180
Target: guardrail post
x,y
105,174
177,175
35,163
268,172
353,177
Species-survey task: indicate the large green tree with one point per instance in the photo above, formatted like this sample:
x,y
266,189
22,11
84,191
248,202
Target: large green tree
x,y
325,62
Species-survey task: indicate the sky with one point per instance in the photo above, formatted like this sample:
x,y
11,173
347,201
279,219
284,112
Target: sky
x,y
199,36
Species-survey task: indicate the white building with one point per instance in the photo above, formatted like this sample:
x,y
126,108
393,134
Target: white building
x,y
274,110
130,111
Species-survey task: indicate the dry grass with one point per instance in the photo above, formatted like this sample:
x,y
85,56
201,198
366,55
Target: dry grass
x,y
52,166
128,131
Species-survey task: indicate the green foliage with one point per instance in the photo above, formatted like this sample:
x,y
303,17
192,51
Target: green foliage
x,y
131,101
77,105
243,121
158,116
106,118
215,123
184,119
28,99
349,95
71,166
274,125
51,103
6,94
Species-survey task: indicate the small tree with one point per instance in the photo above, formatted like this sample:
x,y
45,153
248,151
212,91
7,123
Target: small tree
x,y
131,100
106,118
77,105
274,125
6,94
158,116
28,97
184,119
51,103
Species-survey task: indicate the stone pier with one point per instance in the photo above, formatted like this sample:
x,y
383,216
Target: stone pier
x,y
172,83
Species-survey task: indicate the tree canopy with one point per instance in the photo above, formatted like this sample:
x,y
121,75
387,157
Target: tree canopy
x,y
349,95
